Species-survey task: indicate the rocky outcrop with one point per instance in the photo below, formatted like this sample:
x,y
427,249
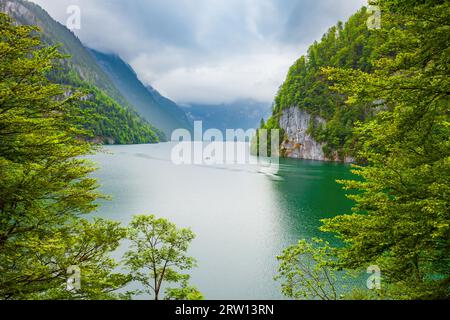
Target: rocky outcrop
x,y
20,12
102,140
297,143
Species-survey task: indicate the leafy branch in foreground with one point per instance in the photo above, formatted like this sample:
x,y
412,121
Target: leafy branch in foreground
x,y
308,271
184,292
401,219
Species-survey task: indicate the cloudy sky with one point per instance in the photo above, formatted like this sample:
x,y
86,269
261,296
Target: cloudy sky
x,y
206,51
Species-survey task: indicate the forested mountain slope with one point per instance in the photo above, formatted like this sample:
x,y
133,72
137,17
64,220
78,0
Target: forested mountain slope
x,y
145,99
105,112
316,122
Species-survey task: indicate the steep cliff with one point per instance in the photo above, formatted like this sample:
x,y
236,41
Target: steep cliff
x,y
297,142
316,120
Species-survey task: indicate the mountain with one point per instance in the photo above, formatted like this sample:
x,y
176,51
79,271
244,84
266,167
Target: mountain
x,y
54,33
113,118
145,99
240,114
104,111
315,121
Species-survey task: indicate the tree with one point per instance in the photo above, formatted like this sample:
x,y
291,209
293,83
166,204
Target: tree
x,y
85,247
262,124
45,185
158,253
184,292
308,271
401,219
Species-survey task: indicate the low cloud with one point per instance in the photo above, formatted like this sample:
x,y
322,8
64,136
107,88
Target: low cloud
x,y
206,51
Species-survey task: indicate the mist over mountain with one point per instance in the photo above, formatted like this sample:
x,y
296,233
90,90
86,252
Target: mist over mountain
x,y
240,114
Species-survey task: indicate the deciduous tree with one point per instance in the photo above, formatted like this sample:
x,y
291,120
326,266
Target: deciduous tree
x,y
45,184
157,254
401,220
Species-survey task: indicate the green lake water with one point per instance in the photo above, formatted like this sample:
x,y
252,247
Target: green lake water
x,y
242,218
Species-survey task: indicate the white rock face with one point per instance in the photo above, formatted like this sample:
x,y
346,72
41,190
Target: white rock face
x,y
299,144
15,9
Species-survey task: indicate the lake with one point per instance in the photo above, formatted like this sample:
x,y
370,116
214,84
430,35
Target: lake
x,y
242,218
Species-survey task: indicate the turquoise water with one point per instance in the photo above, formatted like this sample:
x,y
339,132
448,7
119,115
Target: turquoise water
x,y
242,218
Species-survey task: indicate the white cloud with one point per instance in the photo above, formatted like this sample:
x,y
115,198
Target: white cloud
x,y
208,51
255,76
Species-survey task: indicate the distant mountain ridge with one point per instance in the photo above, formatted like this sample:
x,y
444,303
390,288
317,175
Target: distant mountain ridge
x,y
240,114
